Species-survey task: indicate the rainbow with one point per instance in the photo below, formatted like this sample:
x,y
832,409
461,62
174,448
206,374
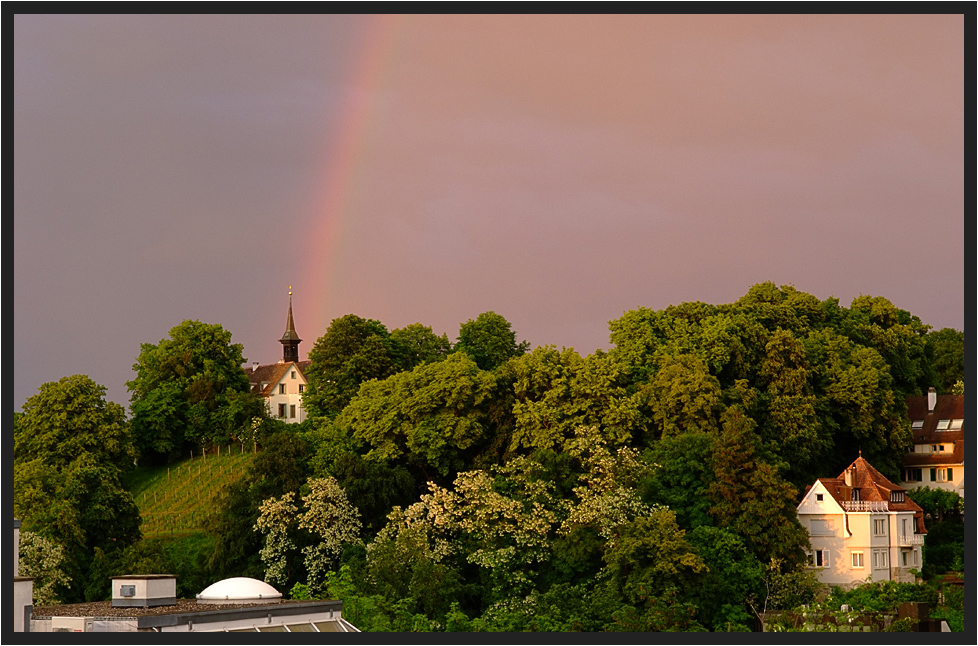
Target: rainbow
x,y
342,169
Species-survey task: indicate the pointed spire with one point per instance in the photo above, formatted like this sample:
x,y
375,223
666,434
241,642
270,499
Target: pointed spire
x,y
290,340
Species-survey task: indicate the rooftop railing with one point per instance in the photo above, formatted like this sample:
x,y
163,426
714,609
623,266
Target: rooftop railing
x,y
866,505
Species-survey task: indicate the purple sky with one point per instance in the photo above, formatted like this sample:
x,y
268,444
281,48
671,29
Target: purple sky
x,y
557,170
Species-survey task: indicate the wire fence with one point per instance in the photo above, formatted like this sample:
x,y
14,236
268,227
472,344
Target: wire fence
x,y
179,499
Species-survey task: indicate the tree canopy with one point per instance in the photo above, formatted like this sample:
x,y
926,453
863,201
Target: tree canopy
x,y
189,390
489,340
71,447
352,351
484,486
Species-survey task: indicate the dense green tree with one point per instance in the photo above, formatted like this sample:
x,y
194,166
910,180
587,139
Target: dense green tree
x,y
945,351
555,392
402,564
684,396
417,344
432,415
489,340
733,574
680,473
898,336
374,487
70,450
749,498
858,408
280,467
353,350
650,556
69,418
190,389
788,418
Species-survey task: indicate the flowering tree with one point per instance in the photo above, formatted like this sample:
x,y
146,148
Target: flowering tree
x,y
42,559
275,518
333,520
328,516
607,496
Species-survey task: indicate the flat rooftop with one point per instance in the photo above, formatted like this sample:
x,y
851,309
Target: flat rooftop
x,y
183,606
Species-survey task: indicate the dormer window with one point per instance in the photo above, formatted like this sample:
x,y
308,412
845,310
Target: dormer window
x,y
855,494
896,496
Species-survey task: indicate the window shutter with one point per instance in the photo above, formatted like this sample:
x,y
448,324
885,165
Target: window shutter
x,y
950,471
933,475
825,558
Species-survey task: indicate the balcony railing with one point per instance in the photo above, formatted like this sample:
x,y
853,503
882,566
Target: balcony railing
x,y
866,505
911,539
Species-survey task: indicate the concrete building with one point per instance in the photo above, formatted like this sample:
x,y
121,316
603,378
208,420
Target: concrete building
x,y
862,526
282,384
936,459
148,603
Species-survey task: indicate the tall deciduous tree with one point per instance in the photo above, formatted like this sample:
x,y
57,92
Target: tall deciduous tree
x,y
430,415
190,389
651,555
489,340
70,450
945,348
353,350
417,344
557,391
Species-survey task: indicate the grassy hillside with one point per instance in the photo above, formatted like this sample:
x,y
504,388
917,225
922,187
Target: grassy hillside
x,y
174,500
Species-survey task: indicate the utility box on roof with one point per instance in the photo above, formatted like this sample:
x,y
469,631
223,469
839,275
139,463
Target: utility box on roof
x,y
144,590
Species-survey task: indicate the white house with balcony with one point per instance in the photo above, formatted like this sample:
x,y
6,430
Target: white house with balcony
x,y
862,526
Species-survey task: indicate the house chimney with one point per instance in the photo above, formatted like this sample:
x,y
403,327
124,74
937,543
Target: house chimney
x,y
254,366
931,399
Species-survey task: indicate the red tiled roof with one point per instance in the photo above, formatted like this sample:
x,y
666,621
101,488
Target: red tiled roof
x,y
873,486
271,374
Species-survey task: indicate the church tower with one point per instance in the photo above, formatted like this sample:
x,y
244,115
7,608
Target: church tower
x,y
290,340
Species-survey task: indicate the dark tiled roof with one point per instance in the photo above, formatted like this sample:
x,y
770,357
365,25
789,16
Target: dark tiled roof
x,y
947,407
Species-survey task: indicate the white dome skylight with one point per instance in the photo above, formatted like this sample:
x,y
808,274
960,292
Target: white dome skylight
x,y
239,589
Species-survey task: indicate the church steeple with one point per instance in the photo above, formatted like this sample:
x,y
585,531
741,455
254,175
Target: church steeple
x,y
290,340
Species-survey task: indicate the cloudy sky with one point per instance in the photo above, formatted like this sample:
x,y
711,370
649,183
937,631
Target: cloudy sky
x,y
556,170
